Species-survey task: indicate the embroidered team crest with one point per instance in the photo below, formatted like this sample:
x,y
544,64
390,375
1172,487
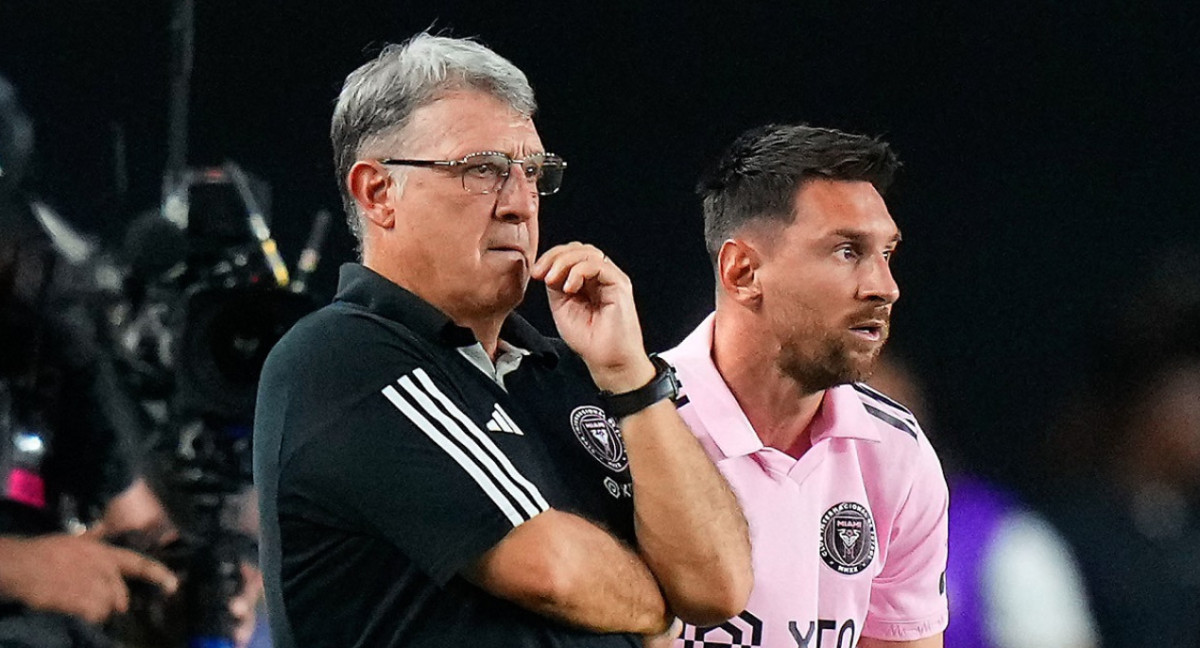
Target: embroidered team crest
x,y
847,538
599,436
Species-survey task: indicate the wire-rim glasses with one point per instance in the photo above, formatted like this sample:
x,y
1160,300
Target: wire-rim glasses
x,y
487,171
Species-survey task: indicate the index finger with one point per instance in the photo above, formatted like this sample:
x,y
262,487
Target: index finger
x,y
543,263
134,565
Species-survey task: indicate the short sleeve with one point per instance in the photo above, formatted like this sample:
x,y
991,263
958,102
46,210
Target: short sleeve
x,y
908,597
392,453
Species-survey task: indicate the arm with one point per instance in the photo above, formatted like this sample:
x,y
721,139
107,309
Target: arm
x,y
925,642
691,532
566,568
76,575
466,511
690,529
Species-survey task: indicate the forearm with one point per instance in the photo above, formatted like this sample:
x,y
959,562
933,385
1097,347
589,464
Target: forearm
x,y
13,575
690,528
566,568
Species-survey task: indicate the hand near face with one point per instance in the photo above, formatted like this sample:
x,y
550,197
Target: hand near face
x,y
592,303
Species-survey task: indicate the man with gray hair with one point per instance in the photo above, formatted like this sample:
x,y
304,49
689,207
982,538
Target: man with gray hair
x,y
434,472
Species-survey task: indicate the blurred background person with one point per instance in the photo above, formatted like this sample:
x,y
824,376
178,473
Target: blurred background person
x,y
63,460
1126,456
77,517
1011,580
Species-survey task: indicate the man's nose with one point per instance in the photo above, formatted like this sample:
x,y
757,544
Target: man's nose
x,y
878,284
517,201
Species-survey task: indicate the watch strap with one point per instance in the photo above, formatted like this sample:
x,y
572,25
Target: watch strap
x,y
664,384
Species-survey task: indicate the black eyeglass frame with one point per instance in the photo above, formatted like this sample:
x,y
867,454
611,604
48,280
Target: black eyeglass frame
x,y
463,161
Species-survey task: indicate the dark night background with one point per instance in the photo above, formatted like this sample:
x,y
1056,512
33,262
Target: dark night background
x,y
1050,148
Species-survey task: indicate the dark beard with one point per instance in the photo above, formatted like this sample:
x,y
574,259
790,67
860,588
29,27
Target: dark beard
x,y
833,364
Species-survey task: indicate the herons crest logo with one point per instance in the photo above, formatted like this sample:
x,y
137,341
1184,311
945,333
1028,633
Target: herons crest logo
x,y
847,538
600,436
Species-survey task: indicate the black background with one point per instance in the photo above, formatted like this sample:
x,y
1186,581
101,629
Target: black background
x,y
1050,148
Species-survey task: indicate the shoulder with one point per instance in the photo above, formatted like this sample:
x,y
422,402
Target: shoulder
x,y
903,453
887,411
898,428
343,350
343,333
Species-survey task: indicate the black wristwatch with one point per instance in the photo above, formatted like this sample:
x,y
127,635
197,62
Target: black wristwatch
x,y
664,384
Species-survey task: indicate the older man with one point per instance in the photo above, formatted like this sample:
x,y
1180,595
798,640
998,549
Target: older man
x,y
844,495
434,472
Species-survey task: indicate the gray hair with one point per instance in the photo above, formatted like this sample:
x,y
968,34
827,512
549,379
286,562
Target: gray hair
x,y
378,99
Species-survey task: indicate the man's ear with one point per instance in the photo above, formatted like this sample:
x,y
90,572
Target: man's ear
x,y
738,265
370,183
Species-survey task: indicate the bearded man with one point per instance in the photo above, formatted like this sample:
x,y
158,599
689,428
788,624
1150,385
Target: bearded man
x,y
844,495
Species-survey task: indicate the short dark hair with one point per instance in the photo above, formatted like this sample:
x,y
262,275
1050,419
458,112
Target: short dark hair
x,y
758,176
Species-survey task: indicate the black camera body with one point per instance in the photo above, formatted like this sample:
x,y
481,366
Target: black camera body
x,y
209,297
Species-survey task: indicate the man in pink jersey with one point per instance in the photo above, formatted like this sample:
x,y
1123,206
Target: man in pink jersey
x,y
844,495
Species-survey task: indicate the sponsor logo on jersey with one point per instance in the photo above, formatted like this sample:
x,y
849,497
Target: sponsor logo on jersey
x,y
847,538
742,631
502,422
598,434
823,633
617,489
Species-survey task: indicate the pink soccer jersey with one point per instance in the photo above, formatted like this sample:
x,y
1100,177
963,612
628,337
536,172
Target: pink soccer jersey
x,y
849,540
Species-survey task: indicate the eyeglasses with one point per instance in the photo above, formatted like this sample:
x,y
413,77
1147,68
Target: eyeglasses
x,y
486,172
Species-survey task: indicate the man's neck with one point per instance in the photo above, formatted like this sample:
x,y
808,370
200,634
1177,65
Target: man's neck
x,y
779,409
487,332
485,326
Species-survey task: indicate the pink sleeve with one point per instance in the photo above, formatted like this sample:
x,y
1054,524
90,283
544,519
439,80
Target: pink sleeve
x,y
908,597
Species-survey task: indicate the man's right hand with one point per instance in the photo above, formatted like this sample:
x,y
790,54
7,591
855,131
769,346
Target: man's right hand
x,y
76,575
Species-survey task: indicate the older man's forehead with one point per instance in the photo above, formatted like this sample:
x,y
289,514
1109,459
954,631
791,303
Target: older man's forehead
x,y
464,122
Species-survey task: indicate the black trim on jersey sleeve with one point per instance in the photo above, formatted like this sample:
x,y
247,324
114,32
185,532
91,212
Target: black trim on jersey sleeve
x,y
428,408
867,390
890,420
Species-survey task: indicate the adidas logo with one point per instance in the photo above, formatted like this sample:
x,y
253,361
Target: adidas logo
x,y
500,422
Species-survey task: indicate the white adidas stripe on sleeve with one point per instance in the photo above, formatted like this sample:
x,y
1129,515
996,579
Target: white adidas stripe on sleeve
x,y
485,441
483,479
479,445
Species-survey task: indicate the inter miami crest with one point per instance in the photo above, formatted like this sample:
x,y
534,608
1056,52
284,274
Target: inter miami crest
x,y
600,437
847,538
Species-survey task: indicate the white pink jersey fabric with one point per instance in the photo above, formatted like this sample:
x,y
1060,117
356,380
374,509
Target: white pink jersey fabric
x,y
849,540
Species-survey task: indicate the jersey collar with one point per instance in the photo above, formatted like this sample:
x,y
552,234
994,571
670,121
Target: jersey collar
x,y
364,288
842,414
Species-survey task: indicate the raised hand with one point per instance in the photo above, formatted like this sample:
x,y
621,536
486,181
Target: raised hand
x,y
592,303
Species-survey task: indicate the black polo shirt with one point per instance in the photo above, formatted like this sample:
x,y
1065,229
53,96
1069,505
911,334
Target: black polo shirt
x,y
386,463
